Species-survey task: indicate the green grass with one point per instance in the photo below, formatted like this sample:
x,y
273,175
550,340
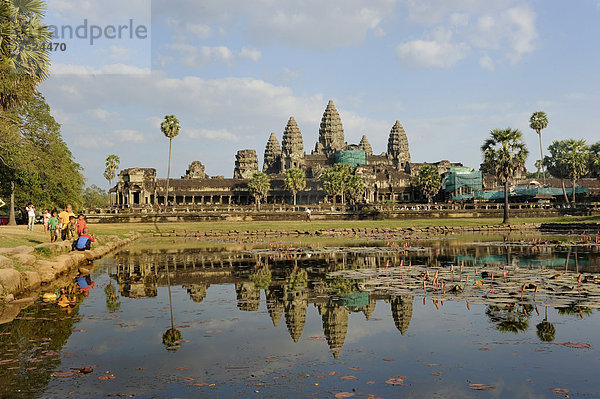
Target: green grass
x,y
11,236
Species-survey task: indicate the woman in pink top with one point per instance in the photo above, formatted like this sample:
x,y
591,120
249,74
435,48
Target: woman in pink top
x,y
81,224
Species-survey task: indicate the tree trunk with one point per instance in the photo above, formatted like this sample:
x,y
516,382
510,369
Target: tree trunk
x,y
257,203
108,192
294,192
573,193
334,195
541,155
12,220
168,174
506,220
564,191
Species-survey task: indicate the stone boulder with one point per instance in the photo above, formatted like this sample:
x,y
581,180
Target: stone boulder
x,y
5,263
25,259
31,280
10,279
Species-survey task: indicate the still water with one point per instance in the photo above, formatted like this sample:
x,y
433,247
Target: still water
x,y
257,320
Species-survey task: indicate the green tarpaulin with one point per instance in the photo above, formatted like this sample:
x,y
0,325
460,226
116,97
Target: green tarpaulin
x,y
351,157
461,177
521,192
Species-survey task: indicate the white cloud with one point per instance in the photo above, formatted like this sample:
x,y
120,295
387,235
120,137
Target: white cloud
x,y
100,114
199,56
315,24
486,62
250,53
221,134
440,52
110,69
128,136
119,53
507,31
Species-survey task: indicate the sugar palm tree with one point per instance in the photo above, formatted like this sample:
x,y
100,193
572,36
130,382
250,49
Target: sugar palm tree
x,y
259,186
170,128
538,122
505,153
428,181
112,165
295,180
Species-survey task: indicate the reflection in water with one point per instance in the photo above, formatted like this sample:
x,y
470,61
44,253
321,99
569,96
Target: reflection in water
x,y
292,281
546,330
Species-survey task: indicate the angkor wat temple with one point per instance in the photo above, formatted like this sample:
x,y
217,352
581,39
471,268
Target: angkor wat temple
x,y
386,176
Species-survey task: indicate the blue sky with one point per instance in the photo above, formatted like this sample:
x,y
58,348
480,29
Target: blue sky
x,y
233,71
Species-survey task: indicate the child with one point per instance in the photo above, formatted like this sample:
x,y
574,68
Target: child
x,y
71,227
53,226
31,216
81,224
47,217
84,242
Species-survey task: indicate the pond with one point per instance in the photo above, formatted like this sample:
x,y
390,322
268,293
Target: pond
x,y
186,319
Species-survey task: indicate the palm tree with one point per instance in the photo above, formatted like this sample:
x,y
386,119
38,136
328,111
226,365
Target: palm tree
x,y
259,186
595,159
429,181
172,337
112,165
170,128
505,153
546,330
538,122
24,64
295,180
568,159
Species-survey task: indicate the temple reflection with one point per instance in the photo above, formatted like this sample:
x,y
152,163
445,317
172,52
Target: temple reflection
x,y
294,279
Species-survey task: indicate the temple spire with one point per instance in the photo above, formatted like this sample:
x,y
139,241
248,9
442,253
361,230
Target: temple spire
x,y
272,158
398,147
365,145
292,147
331,132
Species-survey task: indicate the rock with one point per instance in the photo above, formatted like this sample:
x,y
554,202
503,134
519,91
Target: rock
x,y
5,263
10,280
25,259
31,280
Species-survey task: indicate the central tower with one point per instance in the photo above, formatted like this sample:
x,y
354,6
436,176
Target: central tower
x,y
331,132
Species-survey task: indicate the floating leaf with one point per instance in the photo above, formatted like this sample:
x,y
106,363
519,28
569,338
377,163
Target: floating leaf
x,y
481,387
341,395
189,379
485,349
348,377
106,377
559,390
370,382
388,360
576,345
183,368
399,380
65,374
201,384
355,368
438,373
334,373
271,357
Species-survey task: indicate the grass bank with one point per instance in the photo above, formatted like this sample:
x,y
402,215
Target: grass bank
x,y
11,236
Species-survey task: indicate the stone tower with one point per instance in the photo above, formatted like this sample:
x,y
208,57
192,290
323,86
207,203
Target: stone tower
x,y
398,147
272,159
335,326
292,147
246,163
402,309
331,132
365,145
274,304
195,171
295,312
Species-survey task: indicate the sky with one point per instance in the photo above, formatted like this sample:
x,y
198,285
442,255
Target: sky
x,y
233,71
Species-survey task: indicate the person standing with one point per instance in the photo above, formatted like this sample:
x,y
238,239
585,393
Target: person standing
x,y
46,215
64,217
53,223
308,214
31,216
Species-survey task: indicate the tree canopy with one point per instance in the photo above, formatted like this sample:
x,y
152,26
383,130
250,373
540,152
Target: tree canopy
x,y
340,180
37,160
259,186
505,153
428,181
93,197
295,180
569,159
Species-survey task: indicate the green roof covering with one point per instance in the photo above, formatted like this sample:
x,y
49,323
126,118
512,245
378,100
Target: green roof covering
x,y
520,192
351,157
463,177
